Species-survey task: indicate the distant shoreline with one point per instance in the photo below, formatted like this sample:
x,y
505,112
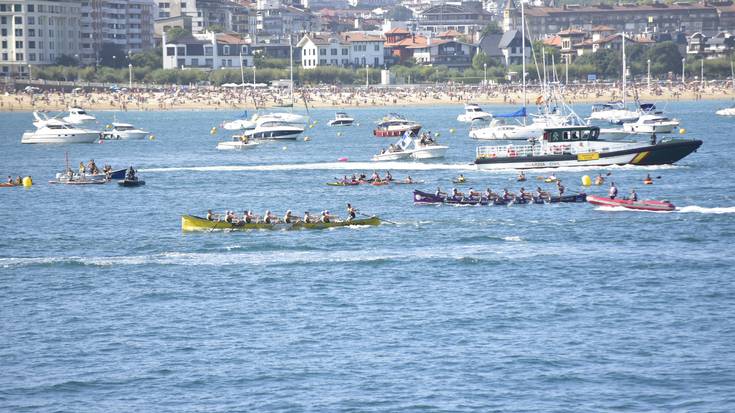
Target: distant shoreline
x,y
216,101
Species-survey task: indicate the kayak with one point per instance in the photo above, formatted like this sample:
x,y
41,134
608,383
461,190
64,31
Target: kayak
x,y
642,205
195,223
131,182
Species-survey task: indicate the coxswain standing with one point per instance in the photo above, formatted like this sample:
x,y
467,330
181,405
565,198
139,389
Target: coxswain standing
x,y
613,192
633,196
560,187
351,212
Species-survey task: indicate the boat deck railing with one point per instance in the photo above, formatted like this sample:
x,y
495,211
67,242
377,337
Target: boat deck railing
x,y
511,151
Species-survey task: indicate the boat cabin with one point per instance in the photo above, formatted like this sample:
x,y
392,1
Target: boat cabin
x,y
571,134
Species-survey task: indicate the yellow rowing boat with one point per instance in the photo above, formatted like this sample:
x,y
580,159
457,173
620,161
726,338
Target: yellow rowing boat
x,y
195,223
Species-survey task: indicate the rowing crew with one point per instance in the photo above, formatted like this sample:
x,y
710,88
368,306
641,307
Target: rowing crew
x,y
248,217
375,177
488,194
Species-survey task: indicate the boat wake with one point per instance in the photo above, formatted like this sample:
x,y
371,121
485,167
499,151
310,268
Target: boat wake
x,y
705,210
621,168
328,166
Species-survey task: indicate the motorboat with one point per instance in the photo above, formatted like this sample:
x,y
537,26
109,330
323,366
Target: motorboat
x,y
396,151
411,147
501,128
69,177
124,131
239,124
268,128
57,131
651,123
580,146
472,113
78,116
639,205
238,143
613,112
341,119
396,125
284,117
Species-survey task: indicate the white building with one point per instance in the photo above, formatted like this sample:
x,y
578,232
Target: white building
x,y
350,49
125,23
207,51
37,33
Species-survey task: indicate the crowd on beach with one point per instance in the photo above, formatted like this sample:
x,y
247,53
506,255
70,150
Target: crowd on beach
x,y
214,98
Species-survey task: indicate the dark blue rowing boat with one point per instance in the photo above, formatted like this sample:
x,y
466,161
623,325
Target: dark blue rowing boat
x,y
421,197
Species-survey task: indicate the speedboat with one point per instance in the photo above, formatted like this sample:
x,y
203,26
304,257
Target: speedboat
x,y
238,143
652,123
69,177
427,148
78,116
395,151
580,146
57,131
613,112
284,117
268,128
641,205
341,119
473,112
396,125
124,131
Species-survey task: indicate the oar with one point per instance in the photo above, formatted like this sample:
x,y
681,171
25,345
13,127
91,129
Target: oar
x,y
373,216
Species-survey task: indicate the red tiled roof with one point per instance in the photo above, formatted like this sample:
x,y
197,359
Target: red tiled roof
x,y
398,30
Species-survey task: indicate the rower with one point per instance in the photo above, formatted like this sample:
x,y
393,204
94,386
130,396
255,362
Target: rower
x,y
375,177
613,192
472,193
210,215
522,193
248,217
456,194
388,176
307,217
540,193
267,218
229,217
521,177
633,195
130,174
351,212
408,179
439,192
287,218
10,179
599,180
460,178
507,196
325,217
560,187
18,180
489,193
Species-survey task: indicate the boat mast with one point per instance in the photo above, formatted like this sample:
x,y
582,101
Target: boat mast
x,y
624,74
290,54
523,53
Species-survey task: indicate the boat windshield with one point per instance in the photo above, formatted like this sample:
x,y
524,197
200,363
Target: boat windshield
x,y
570,135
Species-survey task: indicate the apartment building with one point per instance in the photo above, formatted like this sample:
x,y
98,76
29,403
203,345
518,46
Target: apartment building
x,y
207,51
125,23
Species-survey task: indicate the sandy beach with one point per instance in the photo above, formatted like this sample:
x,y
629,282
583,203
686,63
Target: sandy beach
x,y
211,98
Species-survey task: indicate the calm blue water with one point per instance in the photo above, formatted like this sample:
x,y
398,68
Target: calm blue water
x,y
107,306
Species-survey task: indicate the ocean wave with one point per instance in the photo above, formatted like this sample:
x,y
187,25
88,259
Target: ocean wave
x,y
705,210
624,209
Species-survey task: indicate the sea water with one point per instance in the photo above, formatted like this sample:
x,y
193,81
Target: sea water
x,y
107,306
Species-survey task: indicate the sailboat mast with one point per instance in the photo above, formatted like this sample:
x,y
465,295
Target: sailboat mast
x,y
624,74
523,52
290,54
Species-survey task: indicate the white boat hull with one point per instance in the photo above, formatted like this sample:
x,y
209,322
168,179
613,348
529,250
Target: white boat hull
x,y
726,112
240,124
472,118
614,160
235,146
664,127
81,137
392,156
430,152
125,135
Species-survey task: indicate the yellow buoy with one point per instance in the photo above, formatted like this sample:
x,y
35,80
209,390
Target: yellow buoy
x,y
152,137
682,131
27,182
213,131
586,180
451,130
311,126
108,126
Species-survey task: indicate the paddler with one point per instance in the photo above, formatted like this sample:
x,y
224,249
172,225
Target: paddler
x,y
521,177
613,192
507,196
18,181
489,194
267,217
456,194
599,180
288,217
10,180
307,217
408,180
210,215
388,176
540,193
460,178
351,212
472,193
522,193
375,177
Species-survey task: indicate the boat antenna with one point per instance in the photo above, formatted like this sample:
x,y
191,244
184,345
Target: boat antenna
x,y
523,52
290,55
624,74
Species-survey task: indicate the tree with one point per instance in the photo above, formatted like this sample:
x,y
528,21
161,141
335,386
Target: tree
x,y
399,13
66,60
112,55
491,28
175,33
216,28
151,59
481,59
665,57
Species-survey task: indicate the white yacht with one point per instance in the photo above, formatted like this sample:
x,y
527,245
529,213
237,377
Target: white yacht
x,y
239,124
473,112
501,129
238,143
57,131
341,119
394,124
651,123
123,131
726,111
270,128
428,149
613,112
78,116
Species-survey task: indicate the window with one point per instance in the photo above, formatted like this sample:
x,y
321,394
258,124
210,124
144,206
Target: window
x,y
322,52
18,7
345,51
208,62
244,49
5,56
31,44
377,47
4,44
18,20
31,20
226,50
31,8
32,32
19,56
195,62
376,62
32,57
333,52
4,32
19,32
180,62
4,20
18,44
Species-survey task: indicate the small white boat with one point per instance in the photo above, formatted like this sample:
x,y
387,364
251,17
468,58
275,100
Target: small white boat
x,y
124,131
410,147
268,128
428,150
238,143
78,116
613,112
651,123
341,119
472,113
71,178
57,131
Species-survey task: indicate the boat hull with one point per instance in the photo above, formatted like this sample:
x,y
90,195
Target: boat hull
x,y
341,122
430,152
392,156
194,223
663,153
420,197
131,182
124,135
646,205
37,138
235,146
389,133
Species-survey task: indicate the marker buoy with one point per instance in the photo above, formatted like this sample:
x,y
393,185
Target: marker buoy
x,y
451,131
339,133
436,134
682,131
213,131
285,147
27,182
342,159
152,137
586,180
